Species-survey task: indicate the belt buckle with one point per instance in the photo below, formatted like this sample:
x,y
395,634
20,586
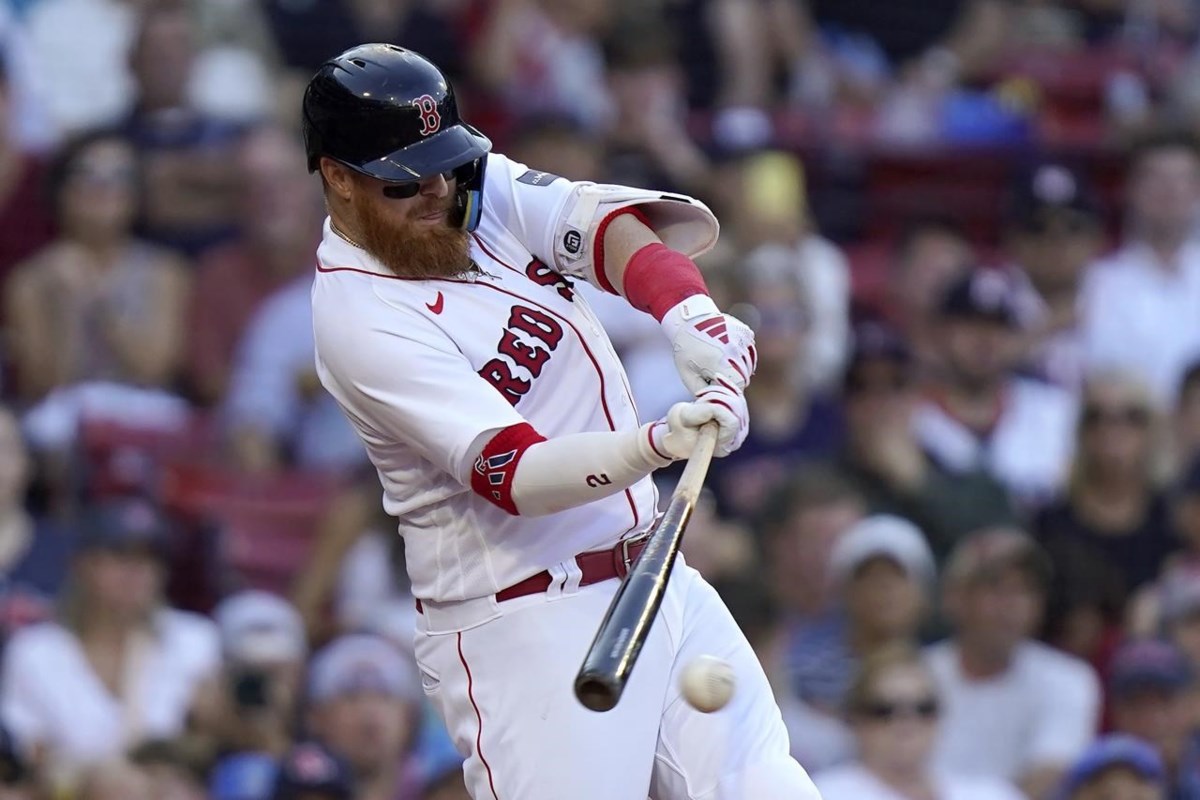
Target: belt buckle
x,y
626,561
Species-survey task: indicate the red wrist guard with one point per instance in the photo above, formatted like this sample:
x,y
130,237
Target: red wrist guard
x,y
658,278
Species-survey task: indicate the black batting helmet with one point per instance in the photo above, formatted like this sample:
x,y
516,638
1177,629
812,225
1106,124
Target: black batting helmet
x,y
390,113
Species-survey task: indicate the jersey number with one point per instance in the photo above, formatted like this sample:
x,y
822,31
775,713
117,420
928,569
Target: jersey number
x,y
598,480
431,120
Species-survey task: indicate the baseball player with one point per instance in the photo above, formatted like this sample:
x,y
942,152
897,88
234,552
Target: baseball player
x,y
490,400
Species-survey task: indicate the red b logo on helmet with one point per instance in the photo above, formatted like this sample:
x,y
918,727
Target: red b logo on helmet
x,y
431,120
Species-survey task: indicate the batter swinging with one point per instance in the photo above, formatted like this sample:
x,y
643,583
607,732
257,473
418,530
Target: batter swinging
x,y
501,424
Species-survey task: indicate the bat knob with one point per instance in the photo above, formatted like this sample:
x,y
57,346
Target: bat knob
x,y
596,693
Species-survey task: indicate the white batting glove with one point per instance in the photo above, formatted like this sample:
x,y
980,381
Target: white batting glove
x,y
675,435
709,345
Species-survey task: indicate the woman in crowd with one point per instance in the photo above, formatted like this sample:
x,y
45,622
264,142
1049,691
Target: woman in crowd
x,y
892,707
1111,533
118,666
97,303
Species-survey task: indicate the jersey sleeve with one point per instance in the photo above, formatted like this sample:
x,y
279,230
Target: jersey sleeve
x,y
527,202
409,382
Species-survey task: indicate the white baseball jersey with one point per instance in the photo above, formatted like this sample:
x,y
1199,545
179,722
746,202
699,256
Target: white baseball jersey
x,y
428,370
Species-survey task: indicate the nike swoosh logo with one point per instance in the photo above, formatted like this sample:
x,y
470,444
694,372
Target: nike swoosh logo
x,y
436,305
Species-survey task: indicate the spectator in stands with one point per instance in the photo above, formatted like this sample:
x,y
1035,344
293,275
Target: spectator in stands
x,y
279,208
98,303
365,704
800,524
17,778
264,647
793,422
1148,687
559,145
886,462
893,708
1139,304
1178,613
276,412
118,666
871,45
767,208
1185,432
539,57
930,255
978,413
1012,708
1111,533
190,176
1053,235
26,224
176,768
35,551
116,780
648,143
1116,766
312,771
882,576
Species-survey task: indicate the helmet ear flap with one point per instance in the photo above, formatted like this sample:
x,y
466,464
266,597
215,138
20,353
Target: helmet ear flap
x,y
470,192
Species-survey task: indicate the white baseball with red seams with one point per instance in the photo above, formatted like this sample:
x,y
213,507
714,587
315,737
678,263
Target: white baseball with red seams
x,y
426,368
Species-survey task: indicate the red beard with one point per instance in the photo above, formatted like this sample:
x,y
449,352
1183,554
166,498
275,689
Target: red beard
x,y
410,250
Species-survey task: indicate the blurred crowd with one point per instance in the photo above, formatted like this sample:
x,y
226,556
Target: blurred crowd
x,y
963,534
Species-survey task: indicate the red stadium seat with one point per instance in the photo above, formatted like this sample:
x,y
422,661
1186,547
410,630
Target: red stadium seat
x,y
266,524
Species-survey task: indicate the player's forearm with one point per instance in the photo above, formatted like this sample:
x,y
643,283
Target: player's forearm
x,y
643,270
525,474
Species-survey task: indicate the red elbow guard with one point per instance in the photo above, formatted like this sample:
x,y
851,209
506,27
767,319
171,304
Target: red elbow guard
x,y
492,477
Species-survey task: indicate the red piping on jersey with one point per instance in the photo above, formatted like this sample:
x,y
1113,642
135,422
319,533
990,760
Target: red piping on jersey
x,y
582,342
478,716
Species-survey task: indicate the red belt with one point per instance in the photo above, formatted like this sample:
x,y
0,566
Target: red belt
x,y
595,566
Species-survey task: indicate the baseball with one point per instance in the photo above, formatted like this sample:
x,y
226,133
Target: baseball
x,y
707,684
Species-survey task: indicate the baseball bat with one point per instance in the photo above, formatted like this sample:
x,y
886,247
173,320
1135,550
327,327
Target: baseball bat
x,y
619,639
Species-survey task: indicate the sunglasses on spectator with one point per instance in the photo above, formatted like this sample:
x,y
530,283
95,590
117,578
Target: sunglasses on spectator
x,y
1071,223
102,176
407,189
888,711
1127,415
857,384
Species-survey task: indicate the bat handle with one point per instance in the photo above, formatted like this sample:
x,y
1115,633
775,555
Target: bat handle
x,y
692,479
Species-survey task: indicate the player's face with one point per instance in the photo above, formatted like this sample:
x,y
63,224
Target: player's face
x,y
416,237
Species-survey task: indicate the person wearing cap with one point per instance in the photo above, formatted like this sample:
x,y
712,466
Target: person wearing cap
x,y
264,647
1052,234
35,551
1149,682
1139,303
978,413
364,703
118,665
882,574
313,771
885,461
1013,708
1116,766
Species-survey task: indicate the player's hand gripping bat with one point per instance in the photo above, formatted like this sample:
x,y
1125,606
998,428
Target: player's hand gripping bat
x,y
610,659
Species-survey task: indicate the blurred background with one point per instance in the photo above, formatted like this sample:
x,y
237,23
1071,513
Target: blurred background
x,y
963,535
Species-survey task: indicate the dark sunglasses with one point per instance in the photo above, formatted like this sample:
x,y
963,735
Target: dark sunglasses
x,y
898,382
1129,415
884,711
407,189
